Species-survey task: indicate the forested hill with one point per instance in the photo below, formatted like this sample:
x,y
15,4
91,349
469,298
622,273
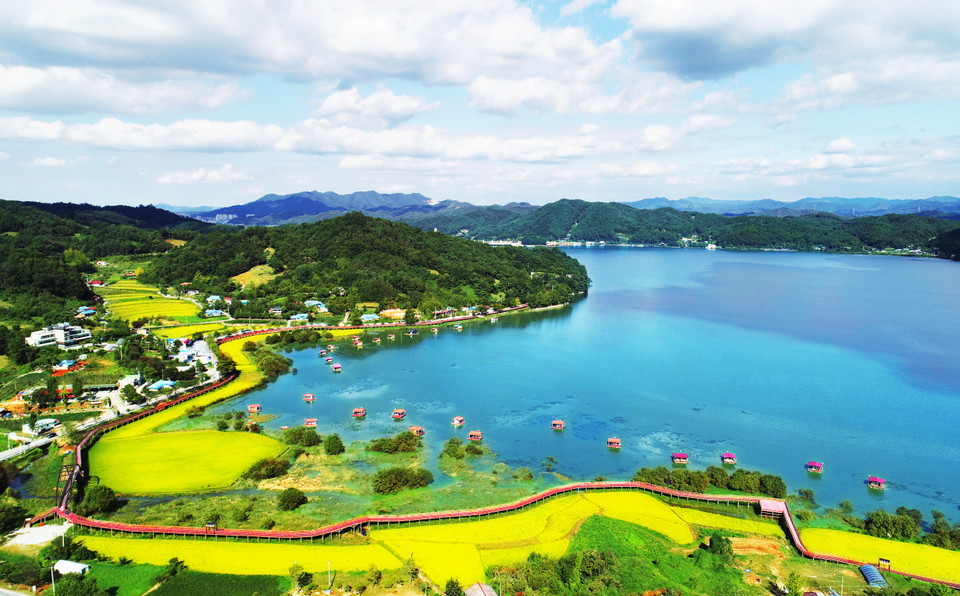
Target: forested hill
x,y
47,249
576,220
356,258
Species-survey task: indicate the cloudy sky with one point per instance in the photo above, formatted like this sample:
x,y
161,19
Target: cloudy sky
x,y
222,101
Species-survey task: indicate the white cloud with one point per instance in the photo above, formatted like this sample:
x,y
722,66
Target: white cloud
x,y
446,43
49,162
380,109
841,145
4,155
577,6
224,174
65,90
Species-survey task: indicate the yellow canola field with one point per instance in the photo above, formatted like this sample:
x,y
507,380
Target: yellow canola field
x,y
919,559
245,558
724,522
644,510
512,556
441,562
187,330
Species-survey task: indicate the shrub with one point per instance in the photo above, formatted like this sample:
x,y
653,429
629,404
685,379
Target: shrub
x,y
405,442
333,445
454,449
98,498
303,436
290,499
473,449
267,468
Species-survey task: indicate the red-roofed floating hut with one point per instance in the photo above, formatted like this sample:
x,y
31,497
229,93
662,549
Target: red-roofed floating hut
x,y
475,435
417,430
815,467
876,483
728,458
558,425
399,414
310,422
458,421
680,459
309,397
253,408
613,443
359,412
336,367
328,360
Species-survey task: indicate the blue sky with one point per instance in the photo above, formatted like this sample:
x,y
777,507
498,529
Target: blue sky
x,y
220,102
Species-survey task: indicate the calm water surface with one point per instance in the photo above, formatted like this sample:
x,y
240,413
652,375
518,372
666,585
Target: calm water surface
x,y
779,357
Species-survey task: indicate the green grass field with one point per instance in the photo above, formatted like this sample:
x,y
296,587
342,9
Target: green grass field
x,y
124,580
180,462
193,583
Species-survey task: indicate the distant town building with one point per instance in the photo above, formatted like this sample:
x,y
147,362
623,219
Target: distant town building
x,y
63,335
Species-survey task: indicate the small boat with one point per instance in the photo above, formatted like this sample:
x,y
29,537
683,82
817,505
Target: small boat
x,y
328,360
399,414
359,412
310,422
323,352
680,459
458,421
875,483
336,367
558,425
613,443
815,467
417,430
728,458
475,435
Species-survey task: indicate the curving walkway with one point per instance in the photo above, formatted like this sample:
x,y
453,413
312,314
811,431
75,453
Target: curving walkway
x,y
363,522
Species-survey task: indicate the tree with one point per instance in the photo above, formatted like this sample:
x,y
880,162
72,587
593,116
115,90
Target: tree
x,y
794,583
98,498
453,588
333,445
297,575
721,547
290,499
409,316
72,584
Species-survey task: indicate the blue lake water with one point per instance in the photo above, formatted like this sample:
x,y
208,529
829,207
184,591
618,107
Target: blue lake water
x,y
780,358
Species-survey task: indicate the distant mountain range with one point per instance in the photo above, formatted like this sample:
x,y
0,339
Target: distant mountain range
x,y
416,208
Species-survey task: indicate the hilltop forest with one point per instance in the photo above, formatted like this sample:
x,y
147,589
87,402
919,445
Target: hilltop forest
x,y
579,221
355,258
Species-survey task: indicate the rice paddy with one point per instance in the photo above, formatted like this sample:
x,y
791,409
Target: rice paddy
x,y
179,462
131,300
919,559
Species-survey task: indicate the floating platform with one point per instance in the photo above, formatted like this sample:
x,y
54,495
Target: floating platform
x,y
875,483
458,421
417,430
475,435
399,414
815,467
729,459
359,412
310,422
613,443
253,408
558,425
336,367
680,459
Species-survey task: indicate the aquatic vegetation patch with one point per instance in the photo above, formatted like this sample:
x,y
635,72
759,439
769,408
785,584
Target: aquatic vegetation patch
x,y
245,558
919,559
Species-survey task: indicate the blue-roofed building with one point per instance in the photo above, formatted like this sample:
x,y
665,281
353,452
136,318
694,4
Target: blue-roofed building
x,y
369,317
213,312
312,303
158,385
873,577
301,316
213,298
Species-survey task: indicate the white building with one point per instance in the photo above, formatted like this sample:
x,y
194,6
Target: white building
x,y
62,335
64,567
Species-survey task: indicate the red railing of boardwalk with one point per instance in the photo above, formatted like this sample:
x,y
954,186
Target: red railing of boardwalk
x,y
64,512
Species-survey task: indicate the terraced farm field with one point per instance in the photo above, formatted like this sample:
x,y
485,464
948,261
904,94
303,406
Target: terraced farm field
x,y
725,522
919,559
131,300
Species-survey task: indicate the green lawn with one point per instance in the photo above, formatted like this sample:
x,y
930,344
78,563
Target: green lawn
x,y
124,580
179,462
194,583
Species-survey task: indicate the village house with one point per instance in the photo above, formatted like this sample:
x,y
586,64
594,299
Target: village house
x,y
62,335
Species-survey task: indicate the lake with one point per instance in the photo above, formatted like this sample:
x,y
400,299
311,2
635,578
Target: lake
x,y
778,357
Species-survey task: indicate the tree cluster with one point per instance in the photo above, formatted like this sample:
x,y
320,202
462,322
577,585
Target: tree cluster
x,y
394,480
267,468
751,482
405,442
